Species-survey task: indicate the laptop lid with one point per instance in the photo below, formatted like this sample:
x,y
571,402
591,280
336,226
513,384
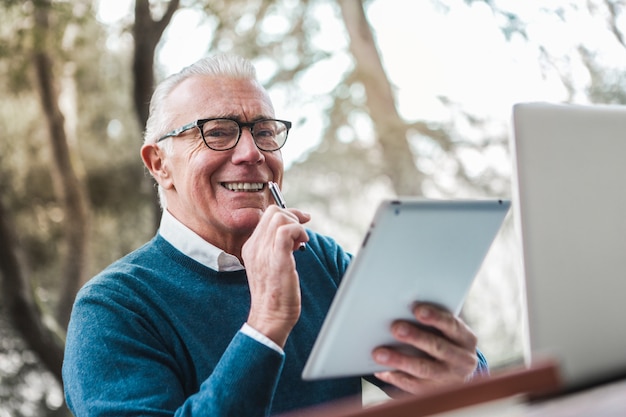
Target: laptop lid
x,y
570,208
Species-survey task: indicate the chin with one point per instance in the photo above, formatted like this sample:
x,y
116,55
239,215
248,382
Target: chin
x,y
246,218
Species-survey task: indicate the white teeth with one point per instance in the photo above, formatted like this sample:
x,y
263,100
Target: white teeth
x,y
243,186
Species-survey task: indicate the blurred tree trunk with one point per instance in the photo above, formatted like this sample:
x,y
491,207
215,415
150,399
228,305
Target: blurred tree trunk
x,y
391,129
147,32
23,311
71,192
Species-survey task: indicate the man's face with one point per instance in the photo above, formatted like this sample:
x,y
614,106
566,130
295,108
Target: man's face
x,y
204,187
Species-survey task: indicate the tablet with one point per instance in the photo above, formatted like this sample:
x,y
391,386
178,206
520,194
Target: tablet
x,y
415,250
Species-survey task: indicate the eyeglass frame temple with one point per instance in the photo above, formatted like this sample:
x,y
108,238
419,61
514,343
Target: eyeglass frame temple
x,y
180,130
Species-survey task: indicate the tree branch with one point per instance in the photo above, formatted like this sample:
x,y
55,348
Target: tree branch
x,y
391,129
72,195
147,34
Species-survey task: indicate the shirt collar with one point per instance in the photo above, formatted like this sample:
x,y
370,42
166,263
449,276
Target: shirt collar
x,y
191,244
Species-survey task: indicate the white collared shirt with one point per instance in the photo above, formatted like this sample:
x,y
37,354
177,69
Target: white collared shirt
x,y
191,244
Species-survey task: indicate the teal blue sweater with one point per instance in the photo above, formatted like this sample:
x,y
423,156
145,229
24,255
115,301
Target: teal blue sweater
x,y
157,334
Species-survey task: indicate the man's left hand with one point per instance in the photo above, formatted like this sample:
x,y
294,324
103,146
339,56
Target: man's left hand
x,y
450,351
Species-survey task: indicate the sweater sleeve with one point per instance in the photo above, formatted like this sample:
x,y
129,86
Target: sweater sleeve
x,y
116,364
242,373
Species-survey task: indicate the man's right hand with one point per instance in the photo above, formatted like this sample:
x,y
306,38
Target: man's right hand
x,y
271,270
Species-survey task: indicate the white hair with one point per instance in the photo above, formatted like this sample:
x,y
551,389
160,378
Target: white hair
x,y
159,121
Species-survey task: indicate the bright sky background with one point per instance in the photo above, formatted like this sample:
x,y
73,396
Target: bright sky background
x,y
461,54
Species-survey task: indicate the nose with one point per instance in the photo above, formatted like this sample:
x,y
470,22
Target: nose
x,y
246,150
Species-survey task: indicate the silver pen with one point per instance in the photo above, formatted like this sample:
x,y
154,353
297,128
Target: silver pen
x,y
280,202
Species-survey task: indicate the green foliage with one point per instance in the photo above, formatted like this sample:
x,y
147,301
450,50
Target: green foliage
x,y
608,85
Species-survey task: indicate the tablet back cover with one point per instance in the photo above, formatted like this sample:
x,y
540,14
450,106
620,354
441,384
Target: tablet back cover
x,y
415,250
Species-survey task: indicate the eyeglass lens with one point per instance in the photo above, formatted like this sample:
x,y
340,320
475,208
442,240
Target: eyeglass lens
x,y
269,135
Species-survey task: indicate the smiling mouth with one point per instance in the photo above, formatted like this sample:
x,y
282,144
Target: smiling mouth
x,y
248,187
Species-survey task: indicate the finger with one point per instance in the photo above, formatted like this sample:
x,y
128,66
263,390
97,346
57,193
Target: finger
x,y
447,323
414,374
302,216
457,359
289,232
405,382
298,215
418,367
290,236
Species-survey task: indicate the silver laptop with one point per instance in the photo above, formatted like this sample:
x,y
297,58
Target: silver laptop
x,y
570,206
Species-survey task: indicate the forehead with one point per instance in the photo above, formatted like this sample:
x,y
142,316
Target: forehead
x,y
204,96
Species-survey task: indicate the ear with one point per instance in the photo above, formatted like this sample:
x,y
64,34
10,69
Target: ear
x,y
155,160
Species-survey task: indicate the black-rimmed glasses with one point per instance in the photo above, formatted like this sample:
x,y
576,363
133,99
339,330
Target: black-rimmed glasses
x,y
224,134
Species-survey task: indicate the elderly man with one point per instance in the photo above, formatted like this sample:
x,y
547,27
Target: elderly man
x,y
217,314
